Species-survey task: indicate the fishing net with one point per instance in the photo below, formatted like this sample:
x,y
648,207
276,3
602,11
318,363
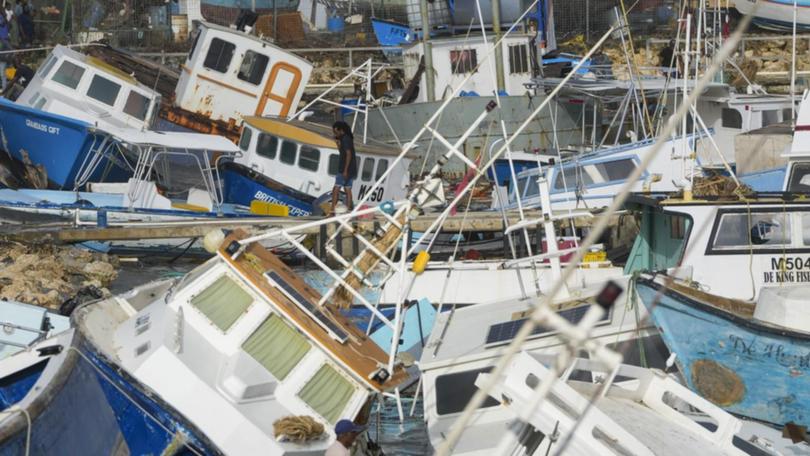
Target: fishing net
x,y
718,185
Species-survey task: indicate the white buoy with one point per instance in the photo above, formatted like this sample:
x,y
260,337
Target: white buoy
x,y
213,239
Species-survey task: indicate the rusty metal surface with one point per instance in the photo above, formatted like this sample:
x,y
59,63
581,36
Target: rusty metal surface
x,y
717,383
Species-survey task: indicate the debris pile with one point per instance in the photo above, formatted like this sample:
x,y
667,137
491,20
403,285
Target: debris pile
x,y
47,275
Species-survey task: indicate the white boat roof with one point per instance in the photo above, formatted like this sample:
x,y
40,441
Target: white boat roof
x,y
461,335
172,140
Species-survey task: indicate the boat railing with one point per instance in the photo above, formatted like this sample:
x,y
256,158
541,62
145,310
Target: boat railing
x,y
98,151
9,328
205,161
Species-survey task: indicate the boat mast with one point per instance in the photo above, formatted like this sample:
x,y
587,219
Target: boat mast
x,y
793,68
427,48
496,28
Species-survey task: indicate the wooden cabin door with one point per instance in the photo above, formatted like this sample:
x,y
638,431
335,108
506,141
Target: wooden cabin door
x,y
280,89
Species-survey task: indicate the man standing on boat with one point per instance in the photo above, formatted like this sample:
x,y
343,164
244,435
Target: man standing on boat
x,y
347,164
346,433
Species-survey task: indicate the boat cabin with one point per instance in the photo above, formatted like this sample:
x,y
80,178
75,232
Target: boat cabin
x,y
729,114
81,87
230,74
456,57
303,156
725,247
592,180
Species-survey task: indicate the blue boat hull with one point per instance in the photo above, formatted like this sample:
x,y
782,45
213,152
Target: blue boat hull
x,y
747,368
69,416
242,185
148,425
59,144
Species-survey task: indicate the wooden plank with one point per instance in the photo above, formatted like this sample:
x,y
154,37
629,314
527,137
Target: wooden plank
x,y
66,233
359,353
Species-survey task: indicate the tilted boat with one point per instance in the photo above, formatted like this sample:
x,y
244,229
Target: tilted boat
x,y
252,347
50,398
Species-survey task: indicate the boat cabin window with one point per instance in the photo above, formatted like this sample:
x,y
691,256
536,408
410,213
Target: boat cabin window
x,y
244,141
266,146
137,105
532,187
309,158
805,226
288,150
223,302
763,230
327,392
219,56
382,167
518,59
594,173
40,103
787,114
276,346
731,118
69,74
334,160
252,67
45,68
368,169
103,90
463,61
454,391
799,181
770,117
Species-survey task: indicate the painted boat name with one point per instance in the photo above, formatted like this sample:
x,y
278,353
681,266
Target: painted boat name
x,y
41,127
785,270
775,351
295,211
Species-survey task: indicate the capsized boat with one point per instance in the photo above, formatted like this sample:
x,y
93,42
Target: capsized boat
x,y
53,122
50,398
256,353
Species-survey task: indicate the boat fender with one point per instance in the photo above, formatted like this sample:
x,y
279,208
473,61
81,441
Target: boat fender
x,y
387,207
213,240
420,262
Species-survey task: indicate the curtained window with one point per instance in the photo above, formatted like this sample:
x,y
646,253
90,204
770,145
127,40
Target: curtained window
x,y
276,346
327,392
223,302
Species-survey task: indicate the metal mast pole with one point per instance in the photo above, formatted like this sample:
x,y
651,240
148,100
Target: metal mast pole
x,y
428,49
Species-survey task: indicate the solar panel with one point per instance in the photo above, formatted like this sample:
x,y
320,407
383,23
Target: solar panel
x,y
335,331
506,331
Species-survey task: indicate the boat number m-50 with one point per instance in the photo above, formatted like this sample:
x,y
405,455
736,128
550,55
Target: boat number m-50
x,y
376,196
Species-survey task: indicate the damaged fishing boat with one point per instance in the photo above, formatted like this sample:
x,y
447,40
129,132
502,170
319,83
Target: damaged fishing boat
x,y
256,354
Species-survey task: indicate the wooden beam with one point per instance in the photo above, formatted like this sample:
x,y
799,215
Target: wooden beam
x,y
66,233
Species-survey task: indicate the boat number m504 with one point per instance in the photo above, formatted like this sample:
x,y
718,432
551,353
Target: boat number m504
x,y
376,196
790,264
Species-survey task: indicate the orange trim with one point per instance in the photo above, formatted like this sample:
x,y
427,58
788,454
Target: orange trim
x,y
285,100
235,89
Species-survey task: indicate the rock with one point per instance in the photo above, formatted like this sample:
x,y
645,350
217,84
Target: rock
x,y
104,272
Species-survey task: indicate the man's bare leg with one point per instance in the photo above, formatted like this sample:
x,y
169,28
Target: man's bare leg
x,y
349,203
335,195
